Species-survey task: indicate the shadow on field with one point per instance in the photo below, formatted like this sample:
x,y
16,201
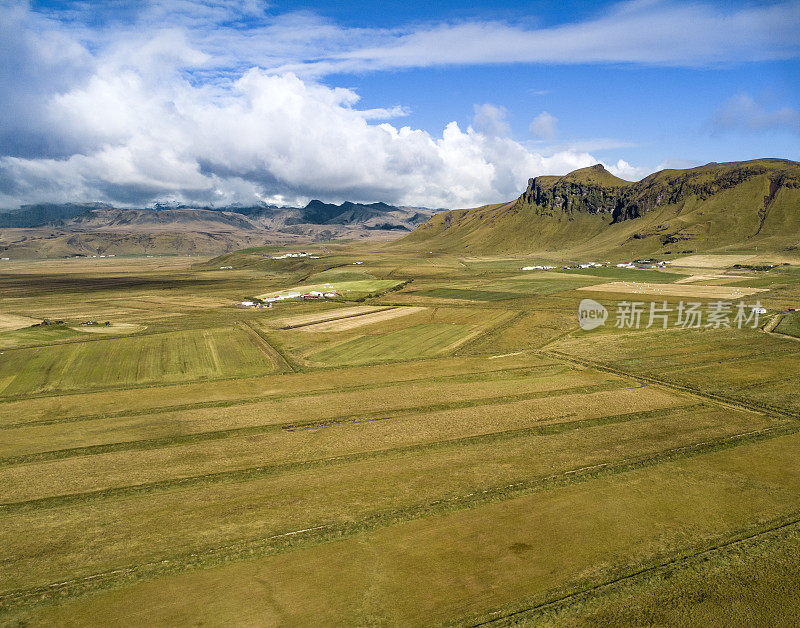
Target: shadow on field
x,y
33,285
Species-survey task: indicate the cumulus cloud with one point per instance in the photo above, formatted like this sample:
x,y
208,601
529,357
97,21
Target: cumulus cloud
x,y
126,120
183,101
544,126
491,119
264,137
624,170
744,113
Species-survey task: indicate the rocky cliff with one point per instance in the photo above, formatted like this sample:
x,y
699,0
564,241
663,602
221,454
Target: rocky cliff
x,y
594,190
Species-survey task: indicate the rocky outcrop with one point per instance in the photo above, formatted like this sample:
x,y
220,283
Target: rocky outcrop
x,y
595,191
562,194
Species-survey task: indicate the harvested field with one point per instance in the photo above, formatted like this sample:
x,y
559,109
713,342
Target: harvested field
x,y
675,290
327,315
113,328
353,322
346,288
155,358
224,466
696,278
9,322
712,261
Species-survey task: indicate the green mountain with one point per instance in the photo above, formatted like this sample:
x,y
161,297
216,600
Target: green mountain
x,y
590,212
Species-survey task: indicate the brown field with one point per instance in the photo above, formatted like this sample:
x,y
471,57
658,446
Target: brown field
x,y
352,322
328,315
12,321
712,261
696,278
674,290
114,328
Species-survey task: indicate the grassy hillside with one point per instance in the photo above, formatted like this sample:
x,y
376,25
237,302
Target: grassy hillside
x,y
589,213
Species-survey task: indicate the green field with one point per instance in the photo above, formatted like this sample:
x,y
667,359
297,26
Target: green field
x,y
467,295
147,359
477,460
790,325
418,341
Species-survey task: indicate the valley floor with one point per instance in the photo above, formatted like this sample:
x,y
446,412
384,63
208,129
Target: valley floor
x,y
439,444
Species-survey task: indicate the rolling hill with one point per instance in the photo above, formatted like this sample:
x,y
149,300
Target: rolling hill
x,y
590,212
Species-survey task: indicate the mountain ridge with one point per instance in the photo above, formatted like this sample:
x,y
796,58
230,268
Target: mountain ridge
x,y
589,211
53,230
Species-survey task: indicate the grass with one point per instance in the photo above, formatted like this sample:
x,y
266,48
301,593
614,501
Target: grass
x,y
466,461
156,358
416,341
466,295
790,325
524,548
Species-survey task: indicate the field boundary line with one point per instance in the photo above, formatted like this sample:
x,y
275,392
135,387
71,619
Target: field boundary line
x,y
250,473
678,561
770,328
741,404
381,308
280,396
314,535
181,439
281,360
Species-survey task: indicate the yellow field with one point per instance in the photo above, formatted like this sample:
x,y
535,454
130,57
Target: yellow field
x,y
712,261
113,328
674,290
327,315
9,322
696,278
454,452
352,322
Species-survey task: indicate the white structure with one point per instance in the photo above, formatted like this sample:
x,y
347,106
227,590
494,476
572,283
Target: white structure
x,y
285,255
248,303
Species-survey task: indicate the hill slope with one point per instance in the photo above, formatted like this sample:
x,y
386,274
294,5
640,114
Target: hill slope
x,y
590,212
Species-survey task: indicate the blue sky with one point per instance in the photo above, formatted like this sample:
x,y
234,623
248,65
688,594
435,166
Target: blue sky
x,y
212,102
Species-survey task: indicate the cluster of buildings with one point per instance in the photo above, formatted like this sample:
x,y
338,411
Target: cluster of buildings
x,y
587,265
644,263
300,254
312,295
639,263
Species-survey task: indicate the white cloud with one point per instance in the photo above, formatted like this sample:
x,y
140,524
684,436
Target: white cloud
x,y
156,136
179,103
491,119
384,113
544,126
659,32
624,170
743,112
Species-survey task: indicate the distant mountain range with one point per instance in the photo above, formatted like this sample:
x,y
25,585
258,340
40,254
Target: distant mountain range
x,y
592,213
102,216
47,230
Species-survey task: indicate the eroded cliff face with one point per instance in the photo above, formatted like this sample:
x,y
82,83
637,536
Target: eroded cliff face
x,y
570,196
595,191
